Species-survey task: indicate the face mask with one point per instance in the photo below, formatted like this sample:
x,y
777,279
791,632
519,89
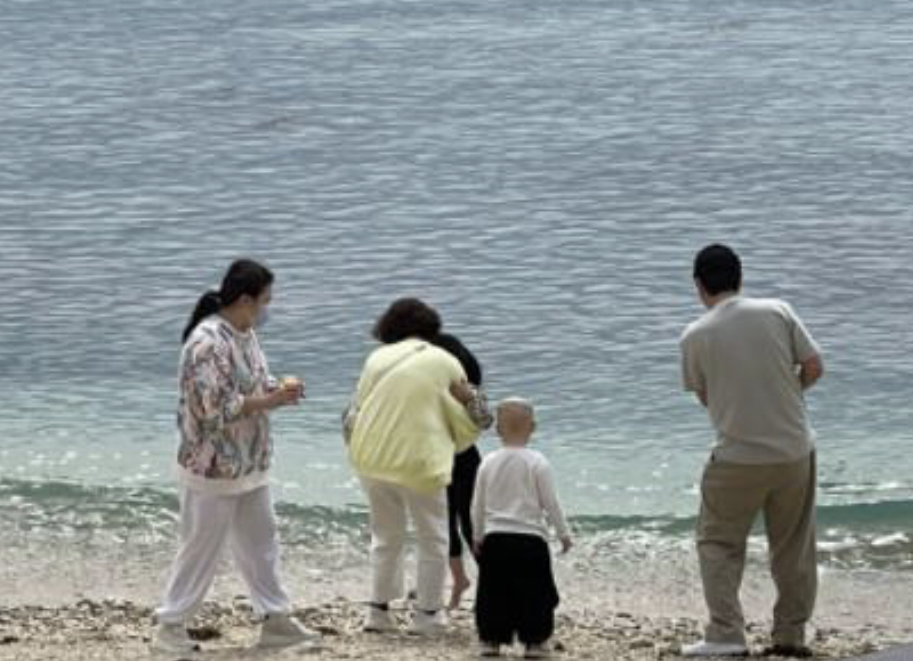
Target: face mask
x,y
262,317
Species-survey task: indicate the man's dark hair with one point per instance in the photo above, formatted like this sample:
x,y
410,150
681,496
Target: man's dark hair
x,y
718,269
407,317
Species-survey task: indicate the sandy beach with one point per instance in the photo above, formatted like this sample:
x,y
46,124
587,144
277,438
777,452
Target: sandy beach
x,y
91,604
114,630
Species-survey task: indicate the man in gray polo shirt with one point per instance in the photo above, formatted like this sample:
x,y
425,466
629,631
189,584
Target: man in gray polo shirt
x,y
749,361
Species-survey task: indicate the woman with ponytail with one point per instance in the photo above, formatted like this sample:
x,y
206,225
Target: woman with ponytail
x,y
226,393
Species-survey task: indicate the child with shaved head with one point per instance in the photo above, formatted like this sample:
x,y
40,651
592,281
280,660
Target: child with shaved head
x,y
513,505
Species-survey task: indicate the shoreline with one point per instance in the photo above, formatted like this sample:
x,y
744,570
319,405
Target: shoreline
x,y
110,630
63,600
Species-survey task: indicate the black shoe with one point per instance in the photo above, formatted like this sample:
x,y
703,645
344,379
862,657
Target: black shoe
x,y
790,651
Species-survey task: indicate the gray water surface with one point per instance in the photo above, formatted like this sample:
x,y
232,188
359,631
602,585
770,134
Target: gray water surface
x,y
541,172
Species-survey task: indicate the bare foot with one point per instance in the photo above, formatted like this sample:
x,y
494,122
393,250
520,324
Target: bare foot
x,y
460,585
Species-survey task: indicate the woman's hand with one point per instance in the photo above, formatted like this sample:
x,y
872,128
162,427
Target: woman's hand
x,y
273,399
285,395
462,391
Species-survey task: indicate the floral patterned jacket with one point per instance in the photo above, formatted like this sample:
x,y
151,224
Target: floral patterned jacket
x,y
220,366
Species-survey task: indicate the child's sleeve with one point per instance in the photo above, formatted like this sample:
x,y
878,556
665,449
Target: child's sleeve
x,y
477,509
546,484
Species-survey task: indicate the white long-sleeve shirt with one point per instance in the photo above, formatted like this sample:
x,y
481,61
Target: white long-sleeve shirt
x,y
515,493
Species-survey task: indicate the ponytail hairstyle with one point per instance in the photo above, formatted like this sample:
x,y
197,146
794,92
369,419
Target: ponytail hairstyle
x,y
244,276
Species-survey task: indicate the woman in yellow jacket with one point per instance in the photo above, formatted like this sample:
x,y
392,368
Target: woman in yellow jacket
x,y
412,418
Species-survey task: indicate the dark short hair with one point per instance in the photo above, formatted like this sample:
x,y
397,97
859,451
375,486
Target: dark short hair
x,y
718,269
407,317
452,345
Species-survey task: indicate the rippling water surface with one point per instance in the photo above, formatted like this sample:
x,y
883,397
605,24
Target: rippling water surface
x,y
541,172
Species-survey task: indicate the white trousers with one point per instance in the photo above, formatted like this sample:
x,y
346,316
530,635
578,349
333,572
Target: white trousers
x,y
247,522
390,505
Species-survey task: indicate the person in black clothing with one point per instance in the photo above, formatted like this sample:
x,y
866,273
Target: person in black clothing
x,y
465,467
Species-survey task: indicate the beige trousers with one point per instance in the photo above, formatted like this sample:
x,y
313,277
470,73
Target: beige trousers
x,y
391,507
732,496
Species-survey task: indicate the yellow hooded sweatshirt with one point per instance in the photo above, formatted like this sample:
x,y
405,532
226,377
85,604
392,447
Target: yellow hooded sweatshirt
x,y
409,425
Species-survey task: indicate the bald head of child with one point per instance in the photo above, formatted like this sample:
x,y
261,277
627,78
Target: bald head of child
x,y
516,421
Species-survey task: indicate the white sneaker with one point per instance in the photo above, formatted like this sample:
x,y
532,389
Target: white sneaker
x,y
283,630
705,648
379,620
428,624
173,639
